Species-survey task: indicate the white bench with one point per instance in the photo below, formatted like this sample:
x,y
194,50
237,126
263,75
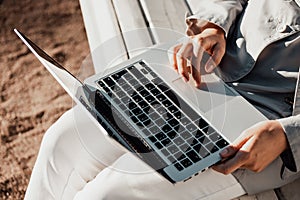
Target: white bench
x,y
130,25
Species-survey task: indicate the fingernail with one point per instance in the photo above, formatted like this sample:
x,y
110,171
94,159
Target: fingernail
x,y
224,151
209,68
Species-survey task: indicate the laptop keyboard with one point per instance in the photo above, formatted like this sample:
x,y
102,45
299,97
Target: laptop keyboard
x,y
167,122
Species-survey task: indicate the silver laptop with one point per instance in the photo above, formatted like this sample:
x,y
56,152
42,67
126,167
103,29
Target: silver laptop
x,y
143,104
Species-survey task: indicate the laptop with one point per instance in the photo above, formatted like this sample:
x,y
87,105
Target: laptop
x,y
145,106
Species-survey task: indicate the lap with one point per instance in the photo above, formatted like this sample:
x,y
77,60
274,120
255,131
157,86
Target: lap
x,y
76,158
130,178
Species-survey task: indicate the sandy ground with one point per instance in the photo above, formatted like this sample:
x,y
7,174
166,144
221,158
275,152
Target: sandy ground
x,y
30,99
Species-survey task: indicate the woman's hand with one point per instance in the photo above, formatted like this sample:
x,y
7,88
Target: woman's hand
x,y
255,149
187,56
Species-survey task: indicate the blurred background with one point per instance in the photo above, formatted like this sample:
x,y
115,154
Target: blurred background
x,y
30,99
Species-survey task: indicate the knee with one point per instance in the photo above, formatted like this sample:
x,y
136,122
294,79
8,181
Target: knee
x,y
57,135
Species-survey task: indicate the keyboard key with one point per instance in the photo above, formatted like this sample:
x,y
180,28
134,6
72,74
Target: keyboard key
x,y
161,97
157,80
144,71
179,155
150,99
144,93
122,106
143,104
222,143
186,163
144,81
101,83
202,123
126,100
109,82
173,149
147,122
146,109
117,88
160,136
161,110
165,152
205,130
127,76
173,123
131,105
210,147
185,147
137,98
120,94
191,127
166,103
152,139
136,72
134,82
171,159
154,129
167,116
166,128
126,87
134,119
121,82
154,116
185,121
158,145
178,115
178,141
185,135
149,86
119,74
137,111
160,122
178,166
155,92
173,109
193,156
204,140
142,117
172,134
198,134
166,142
146,132
215,137
203,152
192,141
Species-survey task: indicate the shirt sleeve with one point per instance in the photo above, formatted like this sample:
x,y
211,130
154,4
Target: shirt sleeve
x,y
291,157
219,12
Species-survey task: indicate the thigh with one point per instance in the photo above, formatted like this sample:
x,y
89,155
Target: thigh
x,y
73,151
130,178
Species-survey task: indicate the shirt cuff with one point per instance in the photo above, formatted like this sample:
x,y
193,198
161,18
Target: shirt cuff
x,y
196,24
291,157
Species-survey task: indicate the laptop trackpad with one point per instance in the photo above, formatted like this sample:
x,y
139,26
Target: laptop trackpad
x,y
211,94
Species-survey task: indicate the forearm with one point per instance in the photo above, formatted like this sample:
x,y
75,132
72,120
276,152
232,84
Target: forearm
x,y
222,13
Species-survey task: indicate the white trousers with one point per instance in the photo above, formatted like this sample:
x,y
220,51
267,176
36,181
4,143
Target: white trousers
x,y
77,161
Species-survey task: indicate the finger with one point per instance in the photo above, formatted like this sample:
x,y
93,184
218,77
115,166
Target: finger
x,y
228,151
196,62
236,145
215,59
183,54
173,61
232,164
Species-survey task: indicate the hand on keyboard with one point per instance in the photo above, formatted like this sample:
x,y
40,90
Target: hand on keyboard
x,y
188,56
